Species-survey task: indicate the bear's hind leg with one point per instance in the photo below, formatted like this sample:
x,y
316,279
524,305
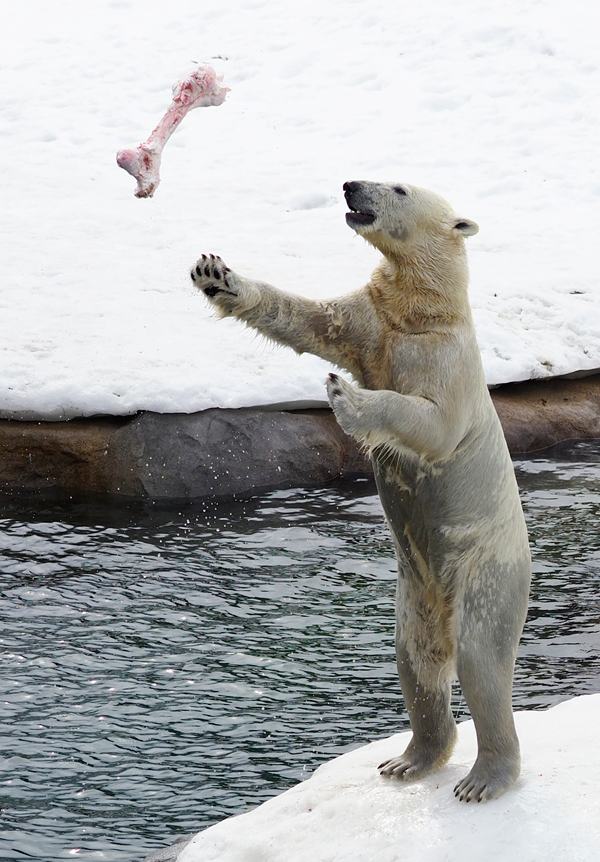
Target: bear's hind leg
x,y
485,663
498,760
431,721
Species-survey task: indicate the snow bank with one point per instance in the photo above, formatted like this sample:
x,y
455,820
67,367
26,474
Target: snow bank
x,y
493,105
346,812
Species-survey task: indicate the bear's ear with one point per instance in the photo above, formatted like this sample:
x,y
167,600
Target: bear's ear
x,y
466,227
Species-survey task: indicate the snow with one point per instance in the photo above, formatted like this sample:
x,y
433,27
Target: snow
x,y
346,813
491,104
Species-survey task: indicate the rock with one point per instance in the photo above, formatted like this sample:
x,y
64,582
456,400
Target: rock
x,y
71,456
216,453
220,453
224,453
538,414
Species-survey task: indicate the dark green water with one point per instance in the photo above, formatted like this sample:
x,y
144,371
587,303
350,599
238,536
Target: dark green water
x,y
163,668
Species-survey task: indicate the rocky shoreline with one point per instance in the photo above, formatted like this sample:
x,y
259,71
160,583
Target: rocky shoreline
x,y
223,453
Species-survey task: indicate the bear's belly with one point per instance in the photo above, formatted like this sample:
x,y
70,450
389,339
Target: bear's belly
x,y
448,517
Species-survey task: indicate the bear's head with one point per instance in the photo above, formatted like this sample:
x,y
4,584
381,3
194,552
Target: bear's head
x,y
402,220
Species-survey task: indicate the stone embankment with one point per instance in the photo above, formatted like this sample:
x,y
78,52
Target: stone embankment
x,y
222,453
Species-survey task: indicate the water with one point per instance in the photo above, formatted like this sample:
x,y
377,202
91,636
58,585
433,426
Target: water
x,y
166,667
560,649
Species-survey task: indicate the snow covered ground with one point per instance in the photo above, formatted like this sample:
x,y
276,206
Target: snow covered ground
x,y
491,104
346,813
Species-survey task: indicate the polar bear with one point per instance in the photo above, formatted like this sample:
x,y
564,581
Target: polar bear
x,y
442,467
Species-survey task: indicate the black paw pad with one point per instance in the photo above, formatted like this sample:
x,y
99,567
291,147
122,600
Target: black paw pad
x,y
212,290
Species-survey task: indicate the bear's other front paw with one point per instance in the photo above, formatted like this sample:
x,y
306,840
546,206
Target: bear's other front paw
x,y
212,277
346,401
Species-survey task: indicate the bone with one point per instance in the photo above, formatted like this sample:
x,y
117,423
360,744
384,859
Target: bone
x,y
201,89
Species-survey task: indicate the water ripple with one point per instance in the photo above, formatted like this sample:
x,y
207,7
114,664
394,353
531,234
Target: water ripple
x,y
168,667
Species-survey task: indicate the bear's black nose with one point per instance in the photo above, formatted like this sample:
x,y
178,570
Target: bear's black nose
x,y
350,187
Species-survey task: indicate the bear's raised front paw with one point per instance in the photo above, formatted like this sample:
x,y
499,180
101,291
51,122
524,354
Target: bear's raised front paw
x,y
212,277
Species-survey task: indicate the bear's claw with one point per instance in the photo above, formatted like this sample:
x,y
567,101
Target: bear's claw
x,y
333,386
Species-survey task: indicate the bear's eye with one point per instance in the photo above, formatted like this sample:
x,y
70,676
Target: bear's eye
x,y
400,190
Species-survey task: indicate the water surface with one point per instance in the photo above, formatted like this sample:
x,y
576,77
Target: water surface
x,y
165,667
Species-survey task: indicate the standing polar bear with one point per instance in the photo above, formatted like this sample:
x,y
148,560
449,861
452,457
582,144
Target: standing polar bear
x,y
443,471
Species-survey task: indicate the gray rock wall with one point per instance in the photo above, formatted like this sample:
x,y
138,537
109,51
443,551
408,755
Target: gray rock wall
x,y
220,453
216,453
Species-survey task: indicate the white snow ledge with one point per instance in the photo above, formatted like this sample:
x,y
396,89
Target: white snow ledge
x,y
345,812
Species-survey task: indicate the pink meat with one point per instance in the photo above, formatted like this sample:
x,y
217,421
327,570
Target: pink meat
x,y
200,90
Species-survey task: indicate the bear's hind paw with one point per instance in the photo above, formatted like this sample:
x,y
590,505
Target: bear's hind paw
x,y
488,780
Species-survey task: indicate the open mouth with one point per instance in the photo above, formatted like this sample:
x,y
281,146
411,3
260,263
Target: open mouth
x,y
358,216
359,219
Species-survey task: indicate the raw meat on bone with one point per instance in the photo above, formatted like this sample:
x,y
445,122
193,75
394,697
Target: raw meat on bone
x,y
200,89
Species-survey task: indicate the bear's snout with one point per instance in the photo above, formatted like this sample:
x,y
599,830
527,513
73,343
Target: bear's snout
x,y
352,193
361,213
